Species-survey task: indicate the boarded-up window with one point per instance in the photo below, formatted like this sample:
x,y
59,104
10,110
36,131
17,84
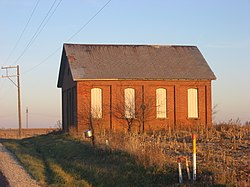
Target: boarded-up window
x,y
193,103
129,96
161,103
96,103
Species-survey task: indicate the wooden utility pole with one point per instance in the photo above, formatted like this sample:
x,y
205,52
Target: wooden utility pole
x,y
19,102
18,92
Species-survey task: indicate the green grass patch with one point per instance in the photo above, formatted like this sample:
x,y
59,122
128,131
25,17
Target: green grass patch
x,y
59,160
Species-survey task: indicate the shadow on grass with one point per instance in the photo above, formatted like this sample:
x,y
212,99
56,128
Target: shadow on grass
x,y
3,181
58,160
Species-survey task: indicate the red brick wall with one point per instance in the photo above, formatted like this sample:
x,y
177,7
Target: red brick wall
x,y
113,94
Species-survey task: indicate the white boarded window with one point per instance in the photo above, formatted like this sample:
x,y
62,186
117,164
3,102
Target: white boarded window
x,y
193,103
96,103
161,103
129,97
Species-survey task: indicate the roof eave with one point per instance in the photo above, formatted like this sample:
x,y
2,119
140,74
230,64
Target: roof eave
x,y
61,71
142,79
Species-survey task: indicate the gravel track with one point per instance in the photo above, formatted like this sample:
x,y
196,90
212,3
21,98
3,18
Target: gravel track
x,y
13,172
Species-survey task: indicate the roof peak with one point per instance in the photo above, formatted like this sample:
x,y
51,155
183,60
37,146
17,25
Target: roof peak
x,y
132,45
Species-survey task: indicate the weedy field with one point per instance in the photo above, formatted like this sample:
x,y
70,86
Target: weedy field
x,y
222,152
138,160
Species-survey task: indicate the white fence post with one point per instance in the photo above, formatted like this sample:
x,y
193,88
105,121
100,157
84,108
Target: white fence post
x,y
179,169
188,171
194,156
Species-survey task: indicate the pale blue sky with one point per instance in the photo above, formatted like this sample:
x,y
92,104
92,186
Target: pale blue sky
x,y
220,29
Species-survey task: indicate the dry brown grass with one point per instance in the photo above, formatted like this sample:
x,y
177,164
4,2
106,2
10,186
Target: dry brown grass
x,y
222,151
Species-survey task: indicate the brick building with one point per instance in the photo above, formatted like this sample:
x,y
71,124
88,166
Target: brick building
x,y
141,87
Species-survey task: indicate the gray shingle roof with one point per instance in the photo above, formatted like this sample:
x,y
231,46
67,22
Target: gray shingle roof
x,y
136,62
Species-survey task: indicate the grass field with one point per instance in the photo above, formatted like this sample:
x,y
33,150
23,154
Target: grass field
x,y
57,159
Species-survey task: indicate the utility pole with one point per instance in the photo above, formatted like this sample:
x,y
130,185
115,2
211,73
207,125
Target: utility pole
x,y
27,118
18,92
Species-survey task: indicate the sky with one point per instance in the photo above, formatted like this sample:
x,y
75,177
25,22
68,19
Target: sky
x,y
32,40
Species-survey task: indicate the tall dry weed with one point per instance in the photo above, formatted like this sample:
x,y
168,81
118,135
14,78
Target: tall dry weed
x,y
222,151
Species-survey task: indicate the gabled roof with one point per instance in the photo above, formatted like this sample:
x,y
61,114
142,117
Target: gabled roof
x,y
88,61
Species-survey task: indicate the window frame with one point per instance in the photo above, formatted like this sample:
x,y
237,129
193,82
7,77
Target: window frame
x,y
161,103
96,103
192,103
129,103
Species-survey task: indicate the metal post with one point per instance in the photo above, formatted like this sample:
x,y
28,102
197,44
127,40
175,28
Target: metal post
x,y
187,167
92,129
194,156
179,169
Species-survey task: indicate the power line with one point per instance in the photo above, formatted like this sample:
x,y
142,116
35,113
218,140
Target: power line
x,y
43,61
70,38
2,83
40,27
21,35
38,31
24,29
35,34
88,21
49,18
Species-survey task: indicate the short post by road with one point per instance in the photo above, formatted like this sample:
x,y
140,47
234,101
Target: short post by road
x,y
179,169
187,167
194,156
